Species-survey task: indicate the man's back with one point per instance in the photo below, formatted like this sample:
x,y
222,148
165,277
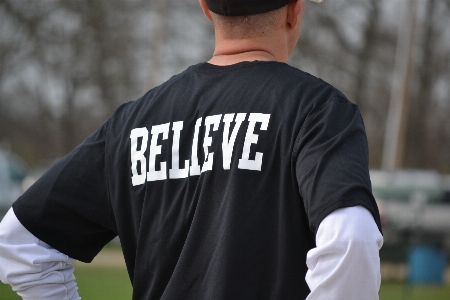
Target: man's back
x,y
234,227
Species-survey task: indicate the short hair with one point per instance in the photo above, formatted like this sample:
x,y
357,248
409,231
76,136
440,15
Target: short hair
x,y
247,26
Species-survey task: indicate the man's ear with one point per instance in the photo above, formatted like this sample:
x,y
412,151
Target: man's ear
x,y
294,9
205,10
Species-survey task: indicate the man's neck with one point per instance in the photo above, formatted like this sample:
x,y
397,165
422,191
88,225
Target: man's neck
x,y
231,59
228,52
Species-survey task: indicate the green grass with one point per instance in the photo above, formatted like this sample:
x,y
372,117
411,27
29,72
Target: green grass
x,y
7,294
102,283
113,284
401,291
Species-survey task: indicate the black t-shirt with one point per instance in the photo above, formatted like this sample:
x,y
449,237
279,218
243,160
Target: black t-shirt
x,y
216,182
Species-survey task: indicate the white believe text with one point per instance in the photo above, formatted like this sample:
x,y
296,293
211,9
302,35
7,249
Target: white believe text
x,y
148,171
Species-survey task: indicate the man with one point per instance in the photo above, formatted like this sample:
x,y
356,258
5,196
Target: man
x,y
240,178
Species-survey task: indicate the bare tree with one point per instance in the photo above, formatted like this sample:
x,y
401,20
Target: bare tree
x,y
74,67
65,66
351,44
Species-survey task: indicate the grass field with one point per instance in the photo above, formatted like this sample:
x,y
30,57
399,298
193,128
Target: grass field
x,y
113,284
110,284
106,278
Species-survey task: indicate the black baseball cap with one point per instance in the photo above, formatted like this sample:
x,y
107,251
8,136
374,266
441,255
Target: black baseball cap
x,y
244,7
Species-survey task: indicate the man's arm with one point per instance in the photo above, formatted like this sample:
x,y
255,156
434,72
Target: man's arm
x,y
345,263
32,268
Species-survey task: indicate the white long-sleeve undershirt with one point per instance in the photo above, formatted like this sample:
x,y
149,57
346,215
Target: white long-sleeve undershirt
x,y
344,265
34,270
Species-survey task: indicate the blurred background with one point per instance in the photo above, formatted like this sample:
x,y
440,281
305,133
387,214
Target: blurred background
x,y
65,66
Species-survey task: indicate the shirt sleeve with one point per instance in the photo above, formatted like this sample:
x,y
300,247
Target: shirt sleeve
x,y
32,268
69,206
345,263
332,161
